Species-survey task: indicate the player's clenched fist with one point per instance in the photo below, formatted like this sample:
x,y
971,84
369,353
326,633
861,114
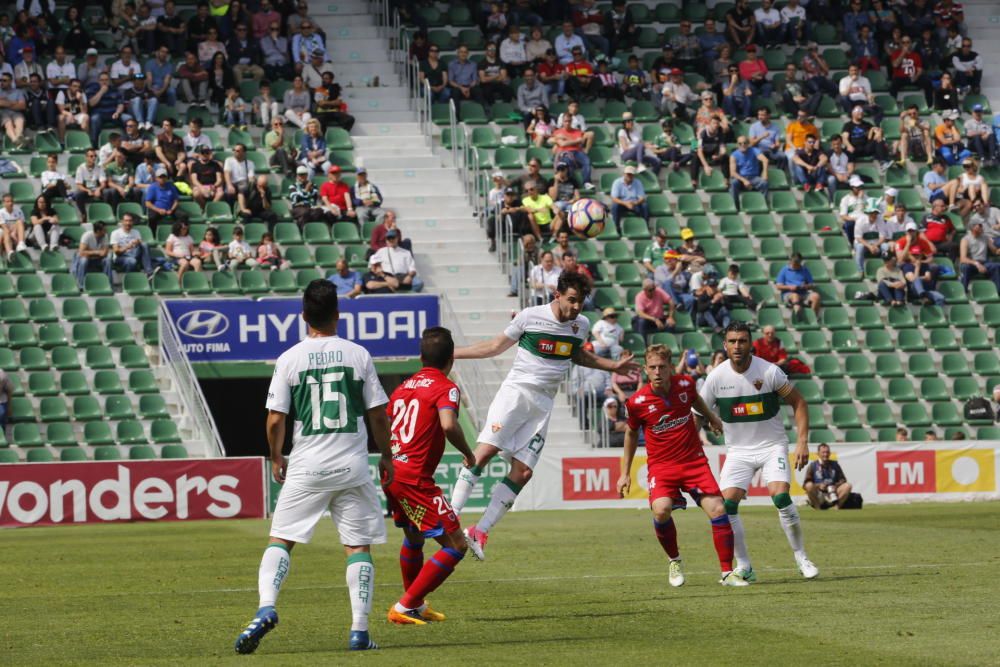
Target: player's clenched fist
x,y
624,484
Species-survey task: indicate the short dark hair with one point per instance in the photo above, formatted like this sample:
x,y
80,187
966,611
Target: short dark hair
x,y
796,257
99,227
437,347
734,327
319,304
568,281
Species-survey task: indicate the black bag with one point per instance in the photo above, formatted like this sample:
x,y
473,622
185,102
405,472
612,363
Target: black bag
x,y
854,502
978,409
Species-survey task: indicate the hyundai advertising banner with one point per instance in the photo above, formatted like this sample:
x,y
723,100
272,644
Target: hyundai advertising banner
x,y
249,330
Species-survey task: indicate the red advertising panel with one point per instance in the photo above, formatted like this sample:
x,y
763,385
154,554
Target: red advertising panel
x,y
906,472
590,478
48,494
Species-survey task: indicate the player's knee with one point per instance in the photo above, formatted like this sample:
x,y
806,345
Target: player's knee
x,y
732,506
781,500
661,515
521,477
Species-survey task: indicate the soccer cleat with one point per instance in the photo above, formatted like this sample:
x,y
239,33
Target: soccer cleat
x,y
676,574
746,575
265,620
360,641
429,614
733,579
806,567
408,617
476,539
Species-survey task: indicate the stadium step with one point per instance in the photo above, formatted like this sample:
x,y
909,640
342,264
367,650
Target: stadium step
x,y
367,129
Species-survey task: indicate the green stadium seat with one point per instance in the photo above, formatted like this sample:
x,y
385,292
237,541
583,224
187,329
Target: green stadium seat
x,y
152,406
827,366
819,435
164,431
846,416
911,340
151,333
107,382
173,452
39,456
141,452
107,309
858,366
42,383
836,391
117,334
133,356
51,335
73,383
142,382
130,432
317,233
53,409
73,455
96,434
815,202
136,284
888,366
195,283
306,276
282,282
52,262
97,284
914,415
224,282
60,434
107,452
983,291
253,282
943,340
815,342
99,357
954,364
836,317
21,335
27,435
86,408
975,339
30,359
868,389
857,435
985,363
64,285
146,308
922,365
118,407
879,415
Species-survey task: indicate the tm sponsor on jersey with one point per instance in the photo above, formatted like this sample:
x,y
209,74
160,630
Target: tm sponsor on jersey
x,y
556,347
747,409
665,425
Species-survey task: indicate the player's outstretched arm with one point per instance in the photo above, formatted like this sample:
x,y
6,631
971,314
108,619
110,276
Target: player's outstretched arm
x,y
800,457
628,454
485,349
702,411
275,430
453,431
623,365
378,421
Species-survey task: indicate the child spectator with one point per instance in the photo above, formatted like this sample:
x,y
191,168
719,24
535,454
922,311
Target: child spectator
x,y
540,128
235,109
180,247
264,106
269,254
211,249
239,251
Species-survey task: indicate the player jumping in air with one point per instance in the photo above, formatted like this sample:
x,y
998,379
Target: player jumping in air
x,y
424,410
328,385
747,391
675,460
549,339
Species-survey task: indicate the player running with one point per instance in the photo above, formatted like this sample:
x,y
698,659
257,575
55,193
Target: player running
x,y
549,339
748,392
675,460
424,411
329,386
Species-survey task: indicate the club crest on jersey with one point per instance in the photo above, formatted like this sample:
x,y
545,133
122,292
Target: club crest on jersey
x,y
683,396
575,327
758,383
496,427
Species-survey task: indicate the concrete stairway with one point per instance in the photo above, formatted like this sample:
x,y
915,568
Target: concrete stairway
x,y
982,19
424,189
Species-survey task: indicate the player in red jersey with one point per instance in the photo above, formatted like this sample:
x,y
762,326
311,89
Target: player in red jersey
x,y
675,460
424,410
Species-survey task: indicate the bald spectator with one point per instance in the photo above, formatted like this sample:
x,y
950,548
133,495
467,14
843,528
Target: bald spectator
x,y
825,482
347,281
769,348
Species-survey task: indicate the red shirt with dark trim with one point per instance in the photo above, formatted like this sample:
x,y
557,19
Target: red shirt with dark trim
x,y
417,437
671,434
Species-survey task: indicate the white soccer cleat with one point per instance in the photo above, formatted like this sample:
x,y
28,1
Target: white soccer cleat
x,y
736,578
806,567
476,539
675,574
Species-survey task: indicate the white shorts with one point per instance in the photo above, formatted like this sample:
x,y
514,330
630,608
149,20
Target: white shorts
x,y
356,511
516,424
740,466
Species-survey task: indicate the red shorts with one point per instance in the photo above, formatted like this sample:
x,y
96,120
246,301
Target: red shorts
x,y
421,505
667,480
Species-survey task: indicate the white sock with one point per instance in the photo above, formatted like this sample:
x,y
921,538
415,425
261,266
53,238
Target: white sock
x,y
501,500
793,530
274,567
467,480
739,542
361,587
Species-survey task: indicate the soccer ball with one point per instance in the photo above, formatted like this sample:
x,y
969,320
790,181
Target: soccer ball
x,y
587,217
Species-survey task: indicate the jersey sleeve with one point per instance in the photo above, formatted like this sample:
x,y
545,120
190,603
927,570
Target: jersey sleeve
x,y
707,394
279,394
632,416
449,399
778,381
515,329
373,392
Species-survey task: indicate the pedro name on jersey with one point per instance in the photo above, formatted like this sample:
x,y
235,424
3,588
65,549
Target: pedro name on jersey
x,y
671,434
417,437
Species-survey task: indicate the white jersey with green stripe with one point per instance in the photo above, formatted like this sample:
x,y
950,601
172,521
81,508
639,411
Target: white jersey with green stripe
x,y
748,403
545,348
326,384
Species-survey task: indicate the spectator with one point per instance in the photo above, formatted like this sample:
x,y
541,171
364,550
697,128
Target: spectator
x,y
748,170
269,254
840,169
863,140
106,105
518,277
690,250
711,151
809,166
973,256
608,335
563,193
635,81
817,72
263,105
735,292
654,310
90,70
145,174
367,198
199,25
902,435
589,23
542,211
915,141
243,55
673,278
398,261
171,30
121,182
124,69
435,74
512,52
380,232
335,198
140,103
610,85
305,43
303,197
377,281
711,42
71,109
620,28
668,146
982,137
968,67
92,255
872,236
706,112
130,253
181,249
939,230
297,102
770,348
162,201
282,147
532,96
552,75
969,187
916,259
239,251
91,182
312,150
934,181
856,91
891,282
770,29
313,70
24,69
764,137
797,287
581,84
192,81
825,483
347,281
687,48
40,107
568,148
578,122
543,278
794,95
274,50
254,202
220,79
537,46
676,97
853,19
12,226
54,182
235,110
753,70
170,150
496,23
133,144
797,131
566,41
946,95
628,197
741,25
652,256
988,216
207,183
908,70
463,77
866,51
851,206
710,306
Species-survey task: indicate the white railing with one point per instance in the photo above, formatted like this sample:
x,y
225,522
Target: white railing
x,y
588,409
195,406
468,373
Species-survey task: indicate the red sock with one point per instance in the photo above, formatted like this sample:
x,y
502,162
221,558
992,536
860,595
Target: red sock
x,y
722,535
432,575
411,560
666,533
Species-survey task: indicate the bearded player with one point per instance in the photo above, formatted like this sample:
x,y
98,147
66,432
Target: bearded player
x,y
424,411
748,392
675,460
549,338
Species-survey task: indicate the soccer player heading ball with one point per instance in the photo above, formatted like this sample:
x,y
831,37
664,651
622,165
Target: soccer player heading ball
x,y
328,385
675,460
549,339
424,410
747,392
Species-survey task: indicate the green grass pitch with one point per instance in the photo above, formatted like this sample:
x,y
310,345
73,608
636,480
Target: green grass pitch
x,y
899,585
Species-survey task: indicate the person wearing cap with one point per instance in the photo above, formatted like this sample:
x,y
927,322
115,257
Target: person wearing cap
x,y
908,70
28,66
872,234
741,24
797,287
978,256
206,176
652,256
851,206
747,169
568,148
608,335
367,198
711,152
753,70
494,198
888,203
673,277
654,310
676,97
89,70
935,183
192,81
982,138
243,54
628,197
303,196
552,74
335,197
398,261
968,187
162,201
313,70
378,281
916,259
968,67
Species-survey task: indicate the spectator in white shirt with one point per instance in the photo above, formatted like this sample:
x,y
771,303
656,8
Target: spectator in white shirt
x,y
608,335
856,90
12,225
566,42
54,182
543,279
770,30
398,261
91,182
872,236
123,70
238,171
512,52
793,21
60,71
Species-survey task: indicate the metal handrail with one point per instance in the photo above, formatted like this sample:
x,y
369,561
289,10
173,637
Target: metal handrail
x,y
468,373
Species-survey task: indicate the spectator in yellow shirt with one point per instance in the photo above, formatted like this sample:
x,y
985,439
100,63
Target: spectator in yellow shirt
x,y
797,131
542,212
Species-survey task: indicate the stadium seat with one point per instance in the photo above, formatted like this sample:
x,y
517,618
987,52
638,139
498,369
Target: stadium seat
x,y
72,454
86,408
142,382
223,282
39,456
857,366
934,389
53,409
846,416
27,435
118,407
152,406
130,432
827,366
107,382
954,364
164,431
107,453
836,391
173,452
943,340
97,433
60,434
879,415
901,390
914,415
858,435
99,357
117,334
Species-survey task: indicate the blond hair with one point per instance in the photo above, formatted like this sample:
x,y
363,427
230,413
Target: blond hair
x,y
658,350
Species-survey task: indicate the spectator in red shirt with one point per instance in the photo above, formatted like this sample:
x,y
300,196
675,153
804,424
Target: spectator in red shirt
x,y
908,70
654,310
753,70
916,259
568,144
581,84
940,231
335,196
769,348
377,240
551,72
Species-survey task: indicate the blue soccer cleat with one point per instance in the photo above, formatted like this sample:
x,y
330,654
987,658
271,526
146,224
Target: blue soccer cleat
x,y
360,641
265,620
